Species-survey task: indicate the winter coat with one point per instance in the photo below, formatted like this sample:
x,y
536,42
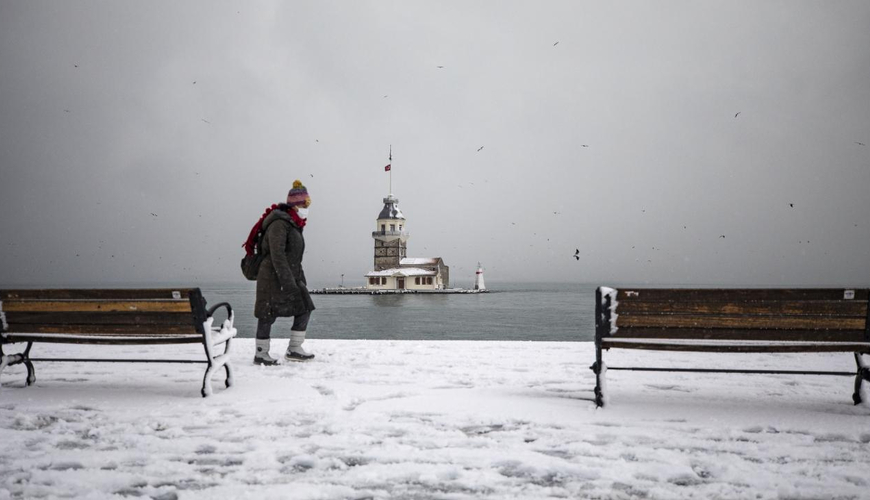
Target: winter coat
x,y
281,287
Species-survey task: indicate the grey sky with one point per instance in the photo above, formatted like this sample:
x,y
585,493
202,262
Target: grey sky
x,y
204,113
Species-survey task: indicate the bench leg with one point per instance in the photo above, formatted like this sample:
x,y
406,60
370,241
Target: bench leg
x,y
14,359
216,362
862,375
599,370
206,382
227,367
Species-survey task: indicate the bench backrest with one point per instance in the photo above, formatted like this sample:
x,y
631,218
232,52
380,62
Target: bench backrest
x,y
829,315
103,312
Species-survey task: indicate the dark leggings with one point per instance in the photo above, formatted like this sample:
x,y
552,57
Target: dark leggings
x,y
264,326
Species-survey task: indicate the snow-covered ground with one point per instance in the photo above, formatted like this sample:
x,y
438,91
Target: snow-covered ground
x,y
424,419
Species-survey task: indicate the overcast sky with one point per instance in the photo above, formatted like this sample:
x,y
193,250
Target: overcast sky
x,y
669,142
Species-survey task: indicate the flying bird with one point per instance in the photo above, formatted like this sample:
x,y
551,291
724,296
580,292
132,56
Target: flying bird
x,y
478,149
721,235
557,43
577,254
439,67
152,213
584,145
206,121
737,113
791,205
860,143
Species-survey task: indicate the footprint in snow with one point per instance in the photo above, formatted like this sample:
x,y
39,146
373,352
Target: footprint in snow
x,y
630,490
83,408
665,387
479,430
702,471
833,438
563,454
205,449
356,402
686,480
63,466
72,445
323,390
33,423
606,424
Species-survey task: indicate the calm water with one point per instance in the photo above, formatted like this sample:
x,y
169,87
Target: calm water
x,y
540,311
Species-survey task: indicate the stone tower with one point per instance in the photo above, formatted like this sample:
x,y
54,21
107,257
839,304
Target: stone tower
x,y
391,238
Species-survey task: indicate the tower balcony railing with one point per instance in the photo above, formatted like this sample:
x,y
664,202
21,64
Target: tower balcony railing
x,y
375,234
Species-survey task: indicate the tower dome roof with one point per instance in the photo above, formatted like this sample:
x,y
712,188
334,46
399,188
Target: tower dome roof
x,y
391,209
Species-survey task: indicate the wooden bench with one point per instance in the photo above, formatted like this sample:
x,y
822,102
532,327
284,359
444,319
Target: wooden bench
x,y
115,317
732,321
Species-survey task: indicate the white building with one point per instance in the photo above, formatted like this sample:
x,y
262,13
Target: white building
x,y
478,279
393,269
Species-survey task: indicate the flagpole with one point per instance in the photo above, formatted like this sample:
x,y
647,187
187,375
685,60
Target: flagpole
x,y
391,169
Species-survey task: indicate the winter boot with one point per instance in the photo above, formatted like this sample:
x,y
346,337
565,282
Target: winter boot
x,y
261,357
295,352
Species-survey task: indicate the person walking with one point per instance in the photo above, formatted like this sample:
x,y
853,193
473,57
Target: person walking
x,y
281,286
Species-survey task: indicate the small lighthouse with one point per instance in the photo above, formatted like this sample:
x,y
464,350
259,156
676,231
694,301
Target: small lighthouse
x,y
478,278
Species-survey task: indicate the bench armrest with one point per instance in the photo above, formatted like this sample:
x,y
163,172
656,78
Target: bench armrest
x,y
215,307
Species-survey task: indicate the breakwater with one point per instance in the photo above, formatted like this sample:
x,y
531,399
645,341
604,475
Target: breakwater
x,y
366,291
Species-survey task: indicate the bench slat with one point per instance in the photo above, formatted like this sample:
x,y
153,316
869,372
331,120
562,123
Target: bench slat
x,y
96,318
661,345
625,295
741,334
95,293
107,339
738,321
96,306
132,329
848,308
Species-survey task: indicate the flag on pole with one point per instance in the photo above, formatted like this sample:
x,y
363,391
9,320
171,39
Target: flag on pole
x,y
387,168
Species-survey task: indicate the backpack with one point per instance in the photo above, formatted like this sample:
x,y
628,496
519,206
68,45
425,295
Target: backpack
x,y
251,263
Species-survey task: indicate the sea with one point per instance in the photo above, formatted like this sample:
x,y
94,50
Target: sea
x,y
510,311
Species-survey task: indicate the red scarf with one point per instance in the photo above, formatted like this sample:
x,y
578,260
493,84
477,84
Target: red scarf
x,y
248,245
299,221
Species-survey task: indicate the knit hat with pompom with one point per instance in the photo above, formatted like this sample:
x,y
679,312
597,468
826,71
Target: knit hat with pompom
x,y
298,194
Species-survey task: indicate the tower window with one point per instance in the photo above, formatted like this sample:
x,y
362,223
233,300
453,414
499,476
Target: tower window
x,y
393,227
383,227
